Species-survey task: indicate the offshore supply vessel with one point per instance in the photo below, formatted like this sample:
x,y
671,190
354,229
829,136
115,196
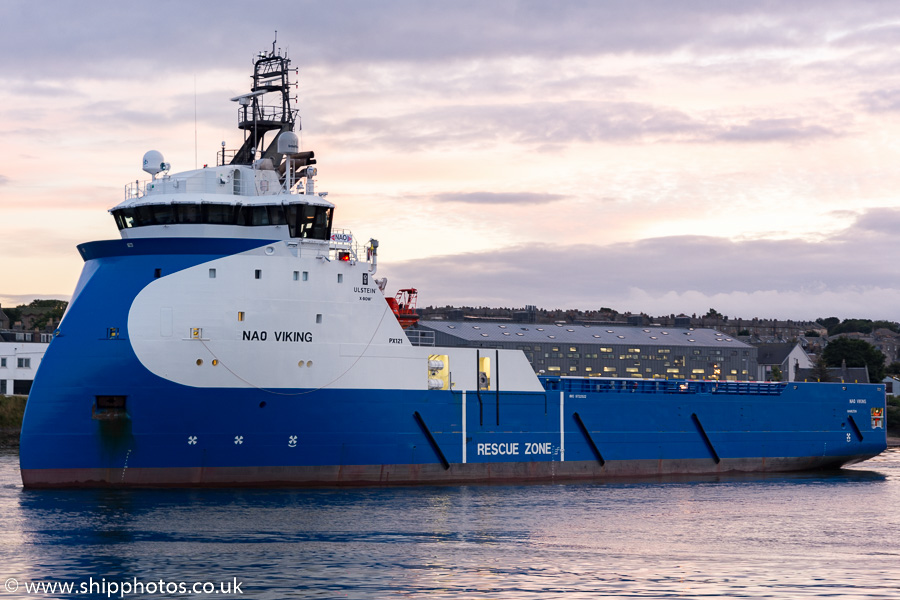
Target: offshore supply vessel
x,y
234,337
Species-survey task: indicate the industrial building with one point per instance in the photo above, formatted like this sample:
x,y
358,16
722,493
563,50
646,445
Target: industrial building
x,y
648,352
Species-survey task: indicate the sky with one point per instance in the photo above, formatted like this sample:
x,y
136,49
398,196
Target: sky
x,y
658,157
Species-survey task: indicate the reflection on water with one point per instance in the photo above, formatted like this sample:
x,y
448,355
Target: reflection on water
x,y
782,536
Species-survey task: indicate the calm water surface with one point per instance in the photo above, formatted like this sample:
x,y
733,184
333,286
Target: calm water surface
x,y
834,535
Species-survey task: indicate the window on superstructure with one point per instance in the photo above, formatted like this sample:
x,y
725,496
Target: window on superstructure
x,y
188,213
2,362
253,216
24,363
308,221
220,214
276,215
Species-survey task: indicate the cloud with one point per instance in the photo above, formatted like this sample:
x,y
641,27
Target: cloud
x,y
797,279
13,300
408,30
775,130
881,101
4,179
513,198
546,123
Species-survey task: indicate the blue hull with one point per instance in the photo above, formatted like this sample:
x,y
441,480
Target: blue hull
x,y
170,434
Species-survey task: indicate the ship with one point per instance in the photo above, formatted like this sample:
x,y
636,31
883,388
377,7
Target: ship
x,y
232,336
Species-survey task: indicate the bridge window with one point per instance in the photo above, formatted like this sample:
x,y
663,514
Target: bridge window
x,y
308,221
305,221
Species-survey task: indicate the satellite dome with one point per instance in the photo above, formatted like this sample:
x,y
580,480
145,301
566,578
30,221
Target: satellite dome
x,y
154,162
288,143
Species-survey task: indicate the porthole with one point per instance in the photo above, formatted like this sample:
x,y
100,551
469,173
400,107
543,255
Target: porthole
x,y
215,362
199,361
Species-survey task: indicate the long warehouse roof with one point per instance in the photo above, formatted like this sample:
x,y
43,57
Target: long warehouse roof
x,y
583,334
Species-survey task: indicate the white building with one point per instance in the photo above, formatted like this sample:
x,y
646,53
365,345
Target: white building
x,y
19,362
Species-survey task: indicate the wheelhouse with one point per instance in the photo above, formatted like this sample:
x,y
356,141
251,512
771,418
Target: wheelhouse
x,y
303,220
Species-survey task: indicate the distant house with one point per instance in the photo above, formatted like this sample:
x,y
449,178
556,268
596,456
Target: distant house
x,y
842,374
19,361
891,385
4,320
31,315
788,358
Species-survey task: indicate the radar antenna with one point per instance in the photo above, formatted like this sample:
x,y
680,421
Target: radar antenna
x,y
271,74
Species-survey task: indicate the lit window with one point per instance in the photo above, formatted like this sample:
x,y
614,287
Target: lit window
x,y
553,368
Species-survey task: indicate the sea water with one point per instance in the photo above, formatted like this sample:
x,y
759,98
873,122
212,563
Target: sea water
x,y
834,535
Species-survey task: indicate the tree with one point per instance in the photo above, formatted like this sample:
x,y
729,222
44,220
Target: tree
x,y
857,353
828,322
820,369
776,373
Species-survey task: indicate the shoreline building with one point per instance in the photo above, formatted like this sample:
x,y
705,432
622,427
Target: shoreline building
x,y
642,352
19,361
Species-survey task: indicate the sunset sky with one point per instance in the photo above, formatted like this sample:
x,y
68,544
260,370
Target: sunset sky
x,y
658,157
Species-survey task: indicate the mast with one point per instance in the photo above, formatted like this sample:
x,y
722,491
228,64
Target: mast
x,y
271,75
